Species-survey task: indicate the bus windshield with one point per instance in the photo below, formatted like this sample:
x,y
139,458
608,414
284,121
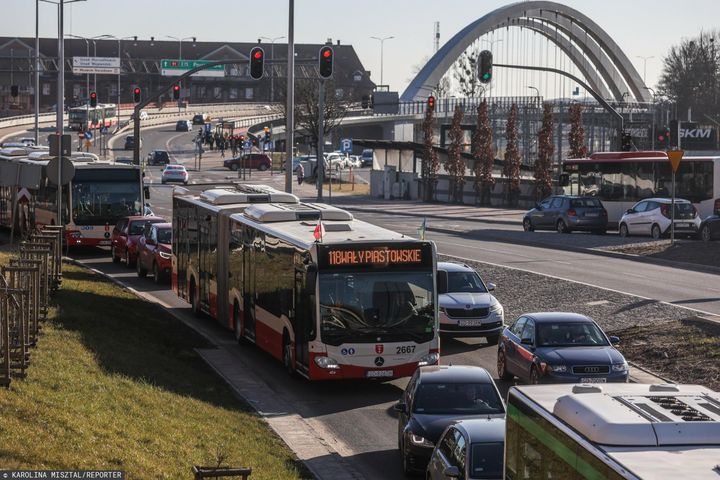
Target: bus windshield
x,y
362,307
97,203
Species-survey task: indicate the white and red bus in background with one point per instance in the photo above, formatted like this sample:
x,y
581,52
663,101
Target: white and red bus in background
x,y
89,118
361,303
621,179
97,197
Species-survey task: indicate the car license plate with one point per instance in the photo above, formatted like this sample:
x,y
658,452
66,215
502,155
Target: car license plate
x,y
379,373
104,242
682,225
592,214
469,323
593,380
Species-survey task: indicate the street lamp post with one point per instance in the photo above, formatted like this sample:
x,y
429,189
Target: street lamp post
x,y
537,93
119,40
645,59
272,57
180,40
653,116
382,46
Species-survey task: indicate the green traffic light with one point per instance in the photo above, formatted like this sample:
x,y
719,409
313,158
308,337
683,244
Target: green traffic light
x,y
486,76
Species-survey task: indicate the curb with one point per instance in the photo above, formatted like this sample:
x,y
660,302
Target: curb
x,y
320,458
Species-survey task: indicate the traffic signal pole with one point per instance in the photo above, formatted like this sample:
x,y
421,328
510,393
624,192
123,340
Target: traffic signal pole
x,y
290,109
320,141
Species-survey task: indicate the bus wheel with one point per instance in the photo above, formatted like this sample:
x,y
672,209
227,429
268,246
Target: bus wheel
x,y
238,322
193,298
287,354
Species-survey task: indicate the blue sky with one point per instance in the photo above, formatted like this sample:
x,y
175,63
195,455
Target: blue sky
x,y
640,27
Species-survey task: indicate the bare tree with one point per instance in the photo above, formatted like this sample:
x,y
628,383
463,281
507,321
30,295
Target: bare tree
x,y
455,162
484,155
690,75
465,74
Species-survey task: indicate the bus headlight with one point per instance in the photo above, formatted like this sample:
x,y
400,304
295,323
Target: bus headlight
x,y
429,359
326,363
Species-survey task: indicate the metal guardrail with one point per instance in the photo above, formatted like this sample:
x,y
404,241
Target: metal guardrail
x,y
26,283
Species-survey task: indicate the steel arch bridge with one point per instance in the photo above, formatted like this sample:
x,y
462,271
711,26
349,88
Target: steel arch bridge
x,y
597,57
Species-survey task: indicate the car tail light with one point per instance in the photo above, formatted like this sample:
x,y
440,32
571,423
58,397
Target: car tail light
x,y
665,210
572,213
604,213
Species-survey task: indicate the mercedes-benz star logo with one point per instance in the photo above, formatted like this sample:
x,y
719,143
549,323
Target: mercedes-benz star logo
x,y
379,362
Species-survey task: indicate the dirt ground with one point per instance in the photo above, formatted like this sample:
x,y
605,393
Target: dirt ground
x,y
688,251
684,351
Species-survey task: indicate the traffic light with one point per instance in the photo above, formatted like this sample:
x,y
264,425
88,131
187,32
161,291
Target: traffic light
x,y
14,90
257,63
93,99
663,137
431,104
136,95
365,101
485,72
176,92
626,142
326,62
673,134
267,134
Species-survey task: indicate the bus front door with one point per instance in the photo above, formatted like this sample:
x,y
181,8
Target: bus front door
x,y
204,267
302,321
249,287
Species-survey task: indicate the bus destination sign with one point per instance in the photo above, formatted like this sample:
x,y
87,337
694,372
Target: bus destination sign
x,y
335,256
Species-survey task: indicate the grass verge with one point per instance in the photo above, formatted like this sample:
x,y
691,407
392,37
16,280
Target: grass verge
x,y
115,383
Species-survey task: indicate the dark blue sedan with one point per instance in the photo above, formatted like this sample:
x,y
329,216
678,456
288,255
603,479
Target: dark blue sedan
x,y
559,348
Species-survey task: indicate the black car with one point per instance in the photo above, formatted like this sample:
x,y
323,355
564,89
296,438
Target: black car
x,y
566,213
199,119
130,142
158,157
434,398
553,347
366,159
710,227
183,126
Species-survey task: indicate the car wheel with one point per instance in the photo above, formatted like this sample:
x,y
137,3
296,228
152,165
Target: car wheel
x,y
262,167
234,167
534,375
656,232
157,277
492,339
141,272
503,374
128,263
115,258
527,225
561,227
705,233
623,230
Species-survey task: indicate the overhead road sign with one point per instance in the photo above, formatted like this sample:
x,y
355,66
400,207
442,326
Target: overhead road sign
x,y
96,65
175,68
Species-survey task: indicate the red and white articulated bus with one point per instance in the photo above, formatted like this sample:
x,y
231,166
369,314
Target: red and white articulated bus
x,y
359,303
621,179
91,118
99,195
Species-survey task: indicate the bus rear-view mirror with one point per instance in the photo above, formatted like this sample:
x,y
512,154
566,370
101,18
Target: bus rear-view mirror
x,y
310,280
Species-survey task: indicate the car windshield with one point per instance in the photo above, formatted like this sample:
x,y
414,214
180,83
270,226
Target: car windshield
x,y
486,460
465,282
362,307
164,235
97,203
457,399
137,227
563,334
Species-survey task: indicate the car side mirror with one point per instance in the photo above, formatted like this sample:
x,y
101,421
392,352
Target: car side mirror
x,y
630,210
538,206
400,407
526,341
491,287
452,472
614,340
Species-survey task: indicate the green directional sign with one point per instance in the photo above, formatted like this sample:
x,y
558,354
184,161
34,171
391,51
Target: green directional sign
x,y
174,68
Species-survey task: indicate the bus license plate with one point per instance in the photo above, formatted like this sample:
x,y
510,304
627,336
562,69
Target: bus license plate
x,y
104,242
469,323
379,373
593,380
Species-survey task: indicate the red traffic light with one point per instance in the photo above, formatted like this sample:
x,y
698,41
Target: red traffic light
x,y
93,95
137,90
327,53
431,103
176,87
258,54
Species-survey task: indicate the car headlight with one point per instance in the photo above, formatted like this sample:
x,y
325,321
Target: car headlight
x,y
620,367
164,255
558,368
496,308
422,441
429,359
326,363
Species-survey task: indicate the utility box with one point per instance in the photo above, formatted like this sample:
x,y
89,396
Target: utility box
x,y
386,102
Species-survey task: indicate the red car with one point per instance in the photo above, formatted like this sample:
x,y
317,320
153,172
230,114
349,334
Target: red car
x,y
253,161
123,242
154,251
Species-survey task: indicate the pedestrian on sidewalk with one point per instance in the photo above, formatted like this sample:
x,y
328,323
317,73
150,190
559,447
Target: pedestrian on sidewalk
x,y
221,146
211,141
300,173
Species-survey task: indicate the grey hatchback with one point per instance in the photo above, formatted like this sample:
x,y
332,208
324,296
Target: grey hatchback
x,y
566,213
